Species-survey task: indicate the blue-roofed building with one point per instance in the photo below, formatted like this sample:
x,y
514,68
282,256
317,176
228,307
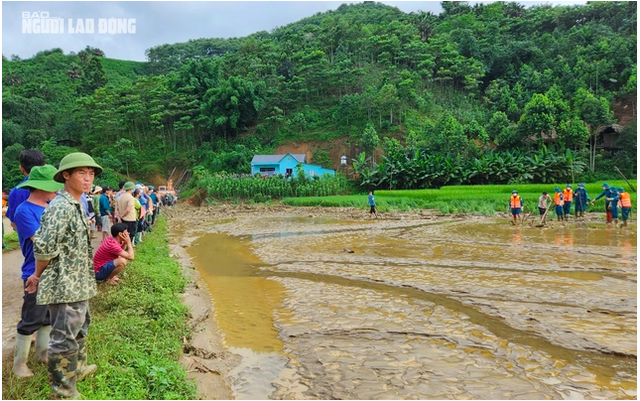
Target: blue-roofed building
x,y
270,165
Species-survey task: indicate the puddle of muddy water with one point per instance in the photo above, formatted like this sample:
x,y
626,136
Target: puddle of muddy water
x,y
244,307
464,310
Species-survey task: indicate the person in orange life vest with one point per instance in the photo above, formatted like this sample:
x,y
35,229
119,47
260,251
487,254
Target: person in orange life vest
x,y
606,193
515,204
558,200
568,198
625,204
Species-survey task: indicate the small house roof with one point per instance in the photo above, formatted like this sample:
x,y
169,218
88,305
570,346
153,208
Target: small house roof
x,y
607,129
300,158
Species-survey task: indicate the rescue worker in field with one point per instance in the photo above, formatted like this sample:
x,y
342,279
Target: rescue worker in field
x,y
606,193
580,199
516,205
613,201
64,276
625,203
558,200
567,194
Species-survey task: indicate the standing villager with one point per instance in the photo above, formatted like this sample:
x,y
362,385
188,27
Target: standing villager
x,y
567,194
95,200
125,208
372,204
28,159
558,200
121,189
613,201
34,318
156,204
542,203
64,276
625,203
516,205
580,198
139,217
606,193
106,212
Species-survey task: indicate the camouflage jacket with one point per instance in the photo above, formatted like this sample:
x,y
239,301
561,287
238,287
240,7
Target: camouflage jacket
x,y
65,240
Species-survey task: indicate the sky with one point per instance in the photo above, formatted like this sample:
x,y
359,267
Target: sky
x,y
145,24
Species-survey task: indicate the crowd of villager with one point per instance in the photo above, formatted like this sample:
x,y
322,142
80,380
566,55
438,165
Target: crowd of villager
x,y
56,212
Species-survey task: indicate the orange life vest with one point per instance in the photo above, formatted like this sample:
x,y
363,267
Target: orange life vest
x,y
625,199
516,202
557,199
568,195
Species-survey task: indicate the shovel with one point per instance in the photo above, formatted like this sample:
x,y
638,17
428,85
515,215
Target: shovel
x,y
544,216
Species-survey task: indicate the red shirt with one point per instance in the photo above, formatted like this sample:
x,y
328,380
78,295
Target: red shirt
x,y
109,250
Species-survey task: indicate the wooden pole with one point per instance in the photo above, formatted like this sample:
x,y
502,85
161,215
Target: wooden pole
x,y
625,178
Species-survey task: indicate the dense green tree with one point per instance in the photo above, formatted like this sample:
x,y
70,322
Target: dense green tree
x,y
488,75
370,139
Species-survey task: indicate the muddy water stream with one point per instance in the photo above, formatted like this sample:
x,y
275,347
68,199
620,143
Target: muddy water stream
x,y
420,310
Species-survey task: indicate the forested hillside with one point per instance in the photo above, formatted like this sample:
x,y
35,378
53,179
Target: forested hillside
x,y
470,95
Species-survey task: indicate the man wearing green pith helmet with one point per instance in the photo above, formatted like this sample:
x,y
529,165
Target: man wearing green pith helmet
x,y
64,276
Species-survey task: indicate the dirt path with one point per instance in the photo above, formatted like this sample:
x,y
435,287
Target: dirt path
x,y
11,299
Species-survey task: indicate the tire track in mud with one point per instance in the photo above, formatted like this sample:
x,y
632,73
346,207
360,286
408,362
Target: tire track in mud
x,y
495,324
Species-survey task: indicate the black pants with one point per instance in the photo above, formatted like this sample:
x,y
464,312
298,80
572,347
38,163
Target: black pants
x,y
33,315
373,209
541,210
131,228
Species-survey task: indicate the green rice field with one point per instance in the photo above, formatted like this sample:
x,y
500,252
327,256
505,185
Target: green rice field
x,y
476,199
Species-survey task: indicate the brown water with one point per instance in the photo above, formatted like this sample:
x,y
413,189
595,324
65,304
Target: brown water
x,y
456,310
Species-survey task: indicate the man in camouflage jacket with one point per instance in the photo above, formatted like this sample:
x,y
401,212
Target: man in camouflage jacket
x,y
64,277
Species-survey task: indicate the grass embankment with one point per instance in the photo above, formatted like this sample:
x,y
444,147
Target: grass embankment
x,y
11,242
478,199
135,336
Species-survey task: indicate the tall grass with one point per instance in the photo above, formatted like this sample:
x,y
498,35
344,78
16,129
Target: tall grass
x,y
135,336
261,189
478,199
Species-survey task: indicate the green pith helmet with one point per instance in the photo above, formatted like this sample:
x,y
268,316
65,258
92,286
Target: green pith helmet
x,y
557,189
74,160
129,185
41,177
620,189
605,185
568,185
515,191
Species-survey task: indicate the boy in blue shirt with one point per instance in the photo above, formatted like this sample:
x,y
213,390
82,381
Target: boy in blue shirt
x,y
28,159
34,318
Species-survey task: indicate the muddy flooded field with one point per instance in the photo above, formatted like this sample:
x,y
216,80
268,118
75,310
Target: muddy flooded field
x,y
420,308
